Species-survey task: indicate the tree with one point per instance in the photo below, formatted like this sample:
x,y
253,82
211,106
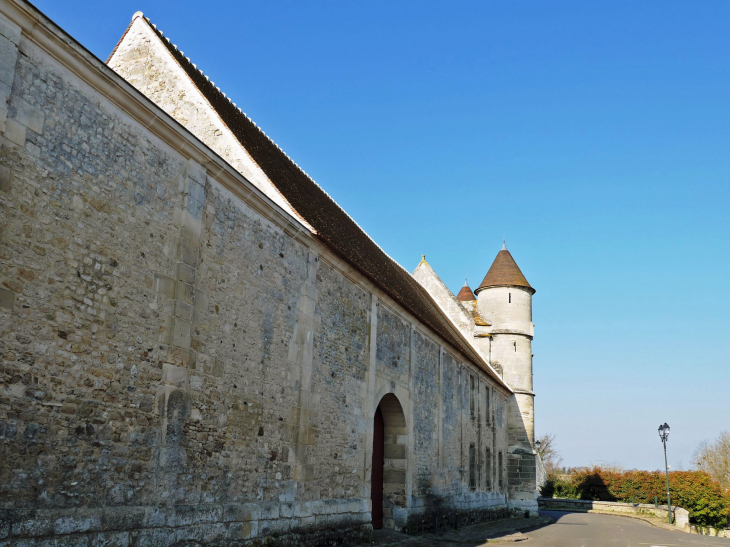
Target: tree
x,y
714,459
549,454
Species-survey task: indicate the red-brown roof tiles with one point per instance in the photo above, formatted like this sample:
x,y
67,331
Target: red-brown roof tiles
x,y
504,272
465,294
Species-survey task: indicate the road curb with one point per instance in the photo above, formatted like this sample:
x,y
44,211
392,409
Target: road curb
x,y
517,531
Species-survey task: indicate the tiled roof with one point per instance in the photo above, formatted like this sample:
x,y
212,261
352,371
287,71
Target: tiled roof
x,y
329,222
465,294
473,308
504,272
478,319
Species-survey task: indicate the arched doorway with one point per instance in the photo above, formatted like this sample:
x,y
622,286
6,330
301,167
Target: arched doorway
x,y
388,478
376,480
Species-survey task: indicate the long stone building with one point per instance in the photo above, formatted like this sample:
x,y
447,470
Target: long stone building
x,y
199,346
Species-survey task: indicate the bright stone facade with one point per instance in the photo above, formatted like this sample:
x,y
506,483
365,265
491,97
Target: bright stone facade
x,y
183,361
499,323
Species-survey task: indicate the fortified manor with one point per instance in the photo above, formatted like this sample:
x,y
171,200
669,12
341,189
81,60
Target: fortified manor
x,y
200,347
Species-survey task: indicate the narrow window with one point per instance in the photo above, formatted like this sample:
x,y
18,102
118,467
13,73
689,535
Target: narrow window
x,y
510,298
472,467
472,405
515,343
499,469
488,466
479,406
486,403
479,469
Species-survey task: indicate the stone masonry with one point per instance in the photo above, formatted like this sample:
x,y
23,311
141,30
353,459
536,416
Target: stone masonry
x,y
183,361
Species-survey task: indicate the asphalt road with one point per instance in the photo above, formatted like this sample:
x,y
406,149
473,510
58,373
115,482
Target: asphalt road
x,y
591,530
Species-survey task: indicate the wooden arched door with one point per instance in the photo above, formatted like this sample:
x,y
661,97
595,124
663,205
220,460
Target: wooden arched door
x,y
376,481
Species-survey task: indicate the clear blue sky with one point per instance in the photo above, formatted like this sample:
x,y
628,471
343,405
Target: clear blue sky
x,y
595,136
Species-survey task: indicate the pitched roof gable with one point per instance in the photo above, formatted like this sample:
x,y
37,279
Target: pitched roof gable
x,y
170,87
328,221
437,289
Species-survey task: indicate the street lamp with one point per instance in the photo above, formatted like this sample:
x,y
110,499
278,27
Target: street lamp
x,y
664,435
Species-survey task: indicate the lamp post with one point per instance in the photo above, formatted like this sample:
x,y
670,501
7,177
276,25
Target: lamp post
x,y
663,435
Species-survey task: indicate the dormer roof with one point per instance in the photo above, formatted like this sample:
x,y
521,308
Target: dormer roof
x,y
504,272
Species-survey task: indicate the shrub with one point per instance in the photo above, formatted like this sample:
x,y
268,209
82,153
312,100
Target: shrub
x,y
701,496
558,488
591,485
695,491
547,490
566,489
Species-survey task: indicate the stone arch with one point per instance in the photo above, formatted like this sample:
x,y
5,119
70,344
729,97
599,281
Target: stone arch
x,y
395,440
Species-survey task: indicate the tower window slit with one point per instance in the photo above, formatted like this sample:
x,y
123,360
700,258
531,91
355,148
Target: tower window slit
x,y
499,468
489,465
479,470
510,298
486,404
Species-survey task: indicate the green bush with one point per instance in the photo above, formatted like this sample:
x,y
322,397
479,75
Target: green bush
x,y
566,489
701,496
695,491
547,490
556,488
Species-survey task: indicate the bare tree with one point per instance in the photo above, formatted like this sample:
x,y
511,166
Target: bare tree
x,y
549,454
714,459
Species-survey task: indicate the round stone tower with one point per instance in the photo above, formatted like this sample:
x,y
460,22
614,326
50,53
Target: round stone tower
x,y
505,301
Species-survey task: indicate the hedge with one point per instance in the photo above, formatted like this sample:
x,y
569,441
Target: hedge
x,y
695,491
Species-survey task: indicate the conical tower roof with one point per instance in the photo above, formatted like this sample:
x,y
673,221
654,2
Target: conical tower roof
x,y
465,294
504,273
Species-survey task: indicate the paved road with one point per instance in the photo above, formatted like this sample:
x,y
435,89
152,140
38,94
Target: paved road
x,y
591,530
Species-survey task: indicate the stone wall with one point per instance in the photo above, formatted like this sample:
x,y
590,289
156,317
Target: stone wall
x,y
509,310
709,531
426,435
393,347
182,361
